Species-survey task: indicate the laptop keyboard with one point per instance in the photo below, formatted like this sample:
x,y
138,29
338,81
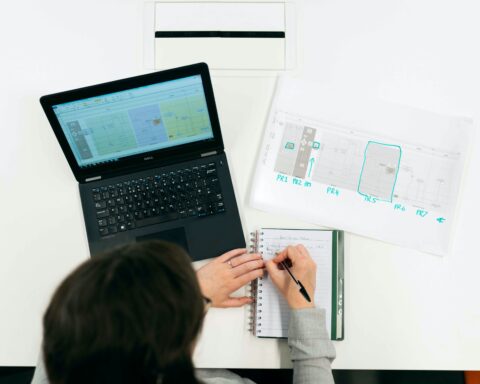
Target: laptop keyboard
x,y
188,192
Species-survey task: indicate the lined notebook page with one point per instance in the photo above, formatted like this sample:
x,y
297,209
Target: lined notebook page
x,y
272,312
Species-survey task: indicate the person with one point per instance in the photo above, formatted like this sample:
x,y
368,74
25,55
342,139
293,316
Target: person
x,y
133,315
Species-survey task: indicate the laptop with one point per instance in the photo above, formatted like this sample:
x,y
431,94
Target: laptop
x,y
148,155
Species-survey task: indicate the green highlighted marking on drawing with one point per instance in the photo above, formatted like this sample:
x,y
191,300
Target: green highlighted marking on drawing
x,y
287,180
381,163
333,191
421,212
399,207
310,165
295,150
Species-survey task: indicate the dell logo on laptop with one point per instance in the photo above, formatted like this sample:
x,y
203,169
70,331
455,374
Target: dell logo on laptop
x,y
148,158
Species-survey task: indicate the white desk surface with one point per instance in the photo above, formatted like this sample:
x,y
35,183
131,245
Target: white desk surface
x,y
404,309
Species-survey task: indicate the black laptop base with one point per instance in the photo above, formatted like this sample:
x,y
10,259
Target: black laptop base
x,y
191,204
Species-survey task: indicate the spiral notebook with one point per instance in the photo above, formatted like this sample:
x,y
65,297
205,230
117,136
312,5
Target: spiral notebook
x,y
270,312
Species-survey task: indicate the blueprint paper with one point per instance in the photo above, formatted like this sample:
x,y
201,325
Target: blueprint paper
x,y
381,170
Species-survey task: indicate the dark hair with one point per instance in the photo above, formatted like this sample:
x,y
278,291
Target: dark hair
x,y
128,316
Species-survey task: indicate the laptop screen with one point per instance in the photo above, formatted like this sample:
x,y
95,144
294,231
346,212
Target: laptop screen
x,y
108,127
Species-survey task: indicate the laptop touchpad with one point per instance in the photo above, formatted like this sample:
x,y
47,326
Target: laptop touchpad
x,y
175,235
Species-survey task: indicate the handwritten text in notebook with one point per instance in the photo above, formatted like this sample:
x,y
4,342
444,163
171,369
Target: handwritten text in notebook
x,y
272,309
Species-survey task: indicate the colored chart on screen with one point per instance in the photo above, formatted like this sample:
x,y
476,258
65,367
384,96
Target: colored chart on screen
x,y
139,120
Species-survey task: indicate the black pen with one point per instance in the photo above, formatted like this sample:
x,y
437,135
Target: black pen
x,y
302,289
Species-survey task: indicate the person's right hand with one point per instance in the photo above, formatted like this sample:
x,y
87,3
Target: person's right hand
x,y
303,268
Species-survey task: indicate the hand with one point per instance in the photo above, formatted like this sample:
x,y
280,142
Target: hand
x,y
221,277
303,268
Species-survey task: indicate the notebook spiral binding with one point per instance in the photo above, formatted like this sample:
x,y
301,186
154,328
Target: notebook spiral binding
x,y
255,317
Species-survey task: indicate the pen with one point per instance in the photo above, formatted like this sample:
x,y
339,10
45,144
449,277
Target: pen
x,y
302,289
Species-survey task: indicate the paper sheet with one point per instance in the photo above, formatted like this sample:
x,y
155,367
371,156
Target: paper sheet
x,y
381,170
272,309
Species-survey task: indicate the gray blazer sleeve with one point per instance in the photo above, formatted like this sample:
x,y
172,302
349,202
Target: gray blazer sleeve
x,y
310,347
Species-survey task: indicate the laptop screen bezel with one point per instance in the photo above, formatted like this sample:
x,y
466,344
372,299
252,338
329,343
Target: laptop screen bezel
x,y
144,160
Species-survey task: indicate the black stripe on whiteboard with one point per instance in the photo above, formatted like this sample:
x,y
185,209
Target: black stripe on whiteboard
x,y
228,34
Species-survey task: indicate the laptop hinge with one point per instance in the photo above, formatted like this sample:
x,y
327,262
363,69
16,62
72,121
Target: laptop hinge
x,y
93,178
208,154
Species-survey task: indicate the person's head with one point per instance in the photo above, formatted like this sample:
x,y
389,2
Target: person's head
x,y
128,316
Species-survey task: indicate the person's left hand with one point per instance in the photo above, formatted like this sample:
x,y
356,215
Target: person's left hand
x,y
224,275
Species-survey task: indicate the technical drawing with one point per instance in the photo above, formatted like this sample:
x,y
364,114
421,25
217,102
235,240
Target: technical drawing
x,y
111,133
294,152
148,125
185,118
339,161
424,180
379,172
79,138
350,159
394,176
